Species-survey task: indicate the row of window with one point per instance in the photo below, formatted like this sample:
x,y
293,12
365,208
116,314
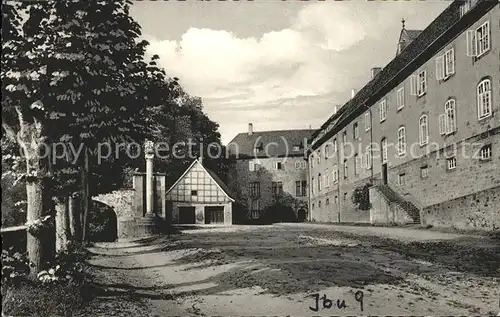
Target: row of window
x,y
255,165
327,201
447,122
478,43
324,181
277,189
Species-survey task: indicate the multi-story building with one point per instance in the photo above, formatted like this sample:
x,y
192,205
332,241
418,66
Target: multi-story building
x,y
423,134
269,167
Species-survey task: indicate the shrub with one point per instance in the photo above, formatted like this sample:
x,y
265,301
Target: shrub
x,y
278,212
361,197
15,267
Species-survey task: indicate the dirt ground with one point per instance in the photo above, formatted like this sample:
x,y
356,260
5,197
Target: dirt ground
x,y
283,269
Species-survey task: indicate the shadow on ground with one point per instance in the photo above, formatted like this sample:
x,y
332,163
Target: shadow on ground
x,y
285,261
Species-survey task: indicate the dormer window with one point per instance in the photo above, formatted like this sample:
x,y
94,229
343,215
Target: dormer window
x,y
258,148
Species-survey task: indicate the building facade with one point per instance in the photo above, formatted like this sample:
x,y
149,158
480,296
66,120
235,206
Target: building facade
x,y
199,197
422,136
269,167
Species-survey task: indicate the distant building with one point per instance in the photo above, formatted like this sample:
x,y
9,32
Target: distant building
x,y
423,133
269,167
199,197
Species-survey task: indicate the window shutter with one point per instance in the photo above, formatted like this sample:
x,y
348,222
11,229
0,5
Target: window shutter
x,y
452,120
442,124
471,43
451,63
440,67
413,85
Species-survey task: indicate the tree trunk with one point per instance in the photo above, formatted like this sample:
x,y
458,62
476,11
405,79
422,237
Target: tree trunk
x,y
35,246
85,194
75,224
62,224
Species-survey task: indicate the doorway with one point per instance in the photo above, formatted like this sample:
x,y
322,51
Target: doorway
x,y
214,214
187,215
384,173
301,215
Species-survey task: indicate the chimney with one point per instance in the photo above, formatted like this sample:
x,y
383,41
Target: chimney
x,y
334,109
375,71
353,93
250,129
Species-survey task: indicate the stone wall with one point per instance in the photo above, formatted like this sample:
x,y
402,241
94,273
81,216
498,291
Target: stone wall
x,y
476,211
120,200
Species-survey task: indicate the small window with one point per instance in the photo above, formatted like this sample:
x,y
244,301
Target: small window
x,y
400,98
296,148
254,189
418,84
319,204
382,107
450,118
327,178
318,157
327,202
312,207
194,193
356,164
368,157
335,173
345,196
402,179
356,131
278,165
312,184
253,165
424,171
485,152
320,180
445,65
255,214
423,130
484,99
451,163
478,40
344,138
383,145
401,141
336,199
368,123
345,169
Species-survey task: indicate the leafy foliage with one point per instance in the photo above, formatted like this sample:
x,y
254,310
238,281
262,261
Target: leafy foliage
x,y
361,197
15,267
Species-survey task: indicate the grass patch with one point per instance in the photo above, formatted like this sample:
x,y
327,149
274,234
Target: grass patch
x,y
34,299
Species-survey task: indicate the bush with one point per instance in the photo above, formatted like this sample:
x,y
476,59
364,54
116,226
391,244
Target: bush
x,y
15,267
361,197
57,291
278,212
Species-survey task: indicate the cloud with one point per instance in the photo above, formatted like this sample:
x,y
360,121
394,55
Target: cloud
x,y
289,78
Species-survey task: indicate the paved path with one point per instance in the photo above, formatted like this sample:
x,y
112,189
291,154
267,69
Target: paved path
x,y
276,270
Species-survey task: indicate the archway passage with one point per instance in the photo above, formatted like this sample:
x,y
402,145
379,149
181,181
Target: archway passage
x,y
302,215
103,224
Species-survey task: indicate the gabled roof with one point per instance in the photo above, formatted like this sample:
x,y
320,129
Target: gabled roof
x,y
447,25
223,187
279,143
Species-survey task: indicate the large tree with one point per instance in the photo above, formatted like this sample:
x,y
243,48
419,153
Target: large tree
x,y
72,72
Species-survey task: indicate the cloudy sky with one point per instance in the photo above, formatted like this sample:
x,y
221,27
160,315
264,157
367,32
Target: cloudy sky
x,y
277,64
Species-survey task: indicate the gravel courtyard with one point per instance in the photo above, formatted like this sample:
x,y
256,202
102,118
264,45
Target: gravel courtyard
x,y
298,269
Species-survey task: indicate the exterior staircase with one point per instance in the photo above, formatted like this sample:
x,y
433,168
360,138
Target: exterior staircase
x,y
393,197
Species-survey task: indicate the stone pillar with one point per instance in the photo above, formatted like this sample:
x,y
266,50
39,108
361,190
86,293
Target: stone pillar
x,y
139,202
160,208
149,154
